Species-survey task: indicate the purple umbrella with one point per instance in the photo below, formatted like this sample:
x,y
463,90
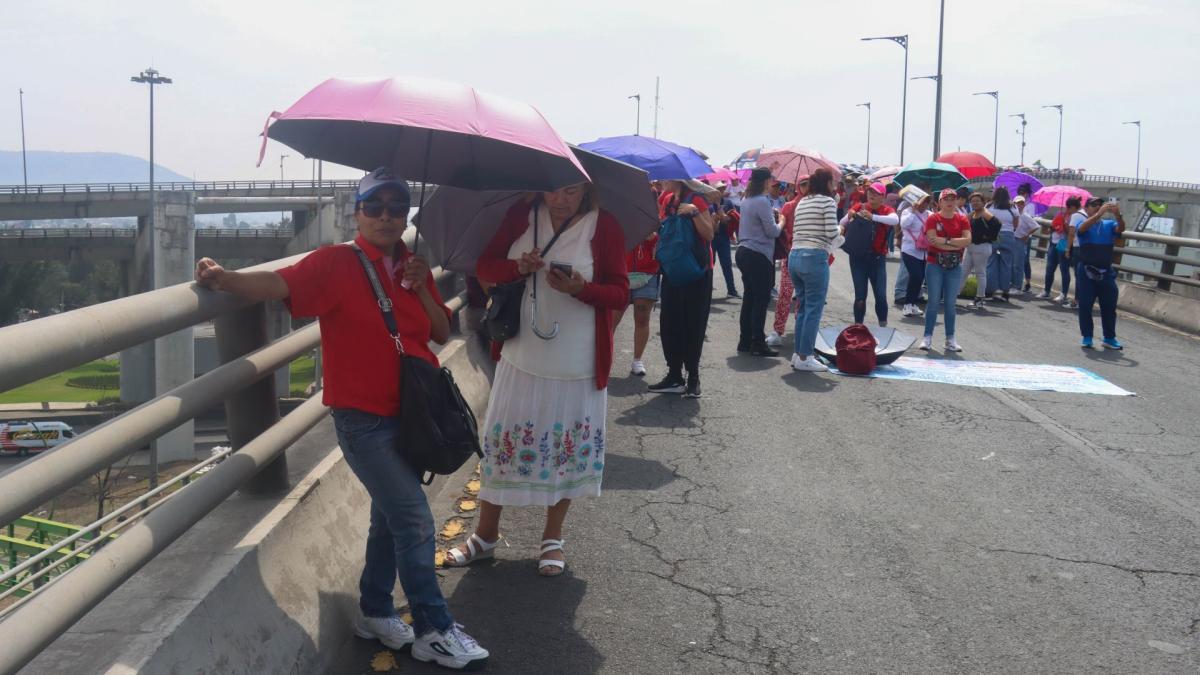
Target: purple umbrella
x,y
1011,180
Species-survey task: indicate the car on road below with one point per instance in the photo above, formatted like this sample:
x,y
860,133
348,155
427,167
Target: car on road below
x,y
25,438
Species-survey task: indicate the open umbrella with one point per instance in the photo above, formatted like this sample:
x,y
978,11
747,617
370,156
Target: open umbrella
x,y
722,174
457,224
747,158
1057,195
885,175
1012,180
662,160
931,175
969,164
790,163
427,130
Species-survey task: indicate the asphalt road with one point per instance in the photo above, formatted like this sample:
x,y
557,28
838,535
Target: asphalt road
x,y
801,523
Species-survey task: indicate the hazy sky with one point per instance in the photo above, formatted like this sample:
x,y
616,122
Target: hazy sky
x,y
734,75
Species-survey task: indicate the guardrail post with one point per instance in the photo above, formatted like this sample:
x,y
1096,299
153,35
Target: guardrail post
x,y
254,409
1167,268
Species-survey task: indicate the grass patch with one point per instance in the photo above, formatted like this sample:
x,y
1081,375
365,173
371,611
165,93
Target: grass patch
x,y
301,371
55,387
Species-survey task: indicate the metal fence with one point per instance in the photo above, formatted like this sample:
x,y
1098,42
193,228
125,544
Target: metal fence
x,y
1119,181
257,463
190,186
1165,276
68,232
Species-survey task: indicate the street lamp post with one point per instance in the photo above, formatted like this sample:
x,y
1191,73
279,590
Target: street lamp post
x,y
1059,108
282,214
24,170
937,113
1137,172
867,105
1023,123
901,40
638,126
937,120
996,130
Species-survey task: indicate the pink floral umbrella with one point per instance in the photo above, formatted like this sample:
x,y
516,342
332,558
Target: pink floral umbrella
x,y
885,175
790,163
727,175
1057,195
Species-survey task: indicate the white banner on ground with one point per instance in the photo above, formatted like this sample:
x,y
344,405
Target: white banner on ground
x,y
1027,376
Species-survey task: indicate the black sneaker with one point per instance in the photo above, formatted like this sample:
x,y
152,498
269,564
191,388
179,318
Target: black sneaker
x,y
693,387
761,349
671,384
743,347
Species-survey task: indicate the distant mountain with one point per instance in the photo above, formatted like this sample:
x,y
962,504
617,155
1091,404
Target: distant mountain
x,y
81,167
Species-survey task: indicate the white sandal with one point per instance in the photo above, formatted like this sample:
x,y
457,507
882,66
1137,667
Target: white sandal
x,y
546,565
477,549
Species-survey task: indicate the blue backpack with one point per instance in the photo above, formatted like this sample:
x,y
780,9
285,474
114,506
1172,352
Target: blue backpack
x,y
678,250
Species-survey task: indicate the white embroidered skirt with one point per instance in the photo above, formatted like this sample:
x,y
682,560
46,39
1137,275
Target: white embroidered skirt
x,y
543,439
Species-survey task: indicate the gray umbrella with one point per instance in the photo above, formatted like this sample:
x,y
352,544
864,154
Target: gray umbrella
x,y
458,224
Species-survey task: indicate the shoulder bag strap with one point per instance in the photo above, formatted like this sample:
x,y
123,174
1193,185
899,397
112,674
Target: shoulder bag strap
x,y
381,298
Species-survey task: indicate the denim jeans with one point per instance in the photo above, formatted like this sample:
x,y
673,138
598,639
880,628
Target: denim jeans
x,y
1020,267
871,270
901,288
1087,292
721,247
758,274
916,276
809,269
1061,262
400,540
1000,265
943,286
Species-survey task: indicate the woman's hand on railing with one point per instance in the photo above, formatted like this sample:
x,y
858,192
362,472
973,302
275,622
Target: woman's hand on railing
x,y
209,274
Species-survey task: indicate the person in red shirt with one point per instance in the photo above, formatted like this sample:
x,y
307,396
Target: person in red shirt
x,y
643,293
362,386
948,233
870,267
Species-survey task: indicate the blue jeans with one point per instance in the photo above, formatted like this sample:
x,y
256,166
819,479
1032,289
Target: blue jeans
x,y
1061,262
809,269
1000,267
721,247
1087,292
1020,267
870,269
400,540
943,287
916,276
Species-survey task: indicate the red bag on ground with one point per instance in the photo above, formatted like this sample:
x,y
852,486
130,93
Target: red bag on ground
x,y
856,350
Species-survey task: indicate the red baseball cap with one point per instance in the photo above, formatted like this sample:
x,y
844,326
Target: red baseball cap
x,y
948,192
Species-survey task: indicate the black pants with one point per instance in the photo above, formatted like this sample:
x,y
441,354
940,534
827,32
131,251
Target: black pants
x,y
683,320
758,276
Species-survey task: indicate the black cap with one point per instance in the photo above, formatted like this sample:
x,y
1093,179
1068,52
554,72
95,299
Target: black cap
x,y
1096,201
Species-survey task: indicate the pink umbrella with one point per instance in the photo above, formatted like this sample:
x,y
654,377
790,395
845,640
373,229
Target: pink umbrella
x,y
886,175
427,130
721,174
1057,195
790,163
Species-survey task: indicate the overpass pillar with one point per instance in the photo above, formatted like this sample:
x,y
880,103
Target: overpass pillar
x,y
344,215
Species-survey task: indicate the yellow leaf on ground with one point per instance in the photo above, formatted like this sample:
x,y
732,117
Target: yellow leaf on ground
x,y
384,662
406,618
468,505
453,528
439,558
473,487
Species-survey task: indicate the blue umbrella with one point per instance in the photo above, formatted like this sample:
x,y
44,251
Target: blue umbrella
x,y
662,160
932,175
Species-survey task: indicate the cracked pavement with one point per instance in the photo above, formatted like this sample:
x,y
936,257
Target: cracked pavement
x,y
800,523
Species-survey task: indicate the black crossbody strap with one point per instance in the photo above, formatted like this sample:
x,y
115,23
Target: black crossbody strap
x,y
381,298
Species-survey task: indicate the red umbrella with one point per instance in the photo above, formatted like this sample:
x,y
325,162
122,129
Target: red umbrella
x,y
969,164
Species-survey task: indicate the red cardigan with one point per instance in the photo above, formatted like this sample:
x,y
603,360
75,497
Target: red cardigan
x,y
608,291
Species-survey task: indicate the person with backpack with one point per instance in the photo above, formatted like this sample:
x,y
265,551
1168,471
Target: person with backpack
x,y
948,233
1004,250
685,258
867,227
1058,255
1095,276
808,264
759,229
985,229
362,388
545,431
912,252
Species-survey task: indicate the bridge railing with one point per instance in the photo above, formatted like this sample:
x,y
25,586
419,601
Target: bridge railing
x,y
72,232
1165,275
1116,181
200,187
257,464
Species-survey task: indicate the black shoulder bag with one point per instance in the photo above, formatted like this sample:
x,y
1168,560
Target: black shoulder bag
x,y
503,316
440,430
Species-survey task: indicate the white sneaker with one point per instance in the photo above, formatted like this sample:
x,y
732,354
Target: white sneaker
x,y
451,649
1059,298
927,342
908,311
774,340
808,365
638,368
917,311
390,630
1044,295
952,345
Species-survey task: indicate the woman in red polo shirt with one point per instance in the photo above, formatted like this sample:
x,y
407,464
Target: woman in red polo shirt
x,y
948,233
544,436
363,389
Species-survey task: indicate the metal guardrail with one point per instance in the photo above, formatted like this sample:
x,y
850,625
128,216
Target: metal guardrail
x,y
131,232
191,186
32,350
1099,178
1165,276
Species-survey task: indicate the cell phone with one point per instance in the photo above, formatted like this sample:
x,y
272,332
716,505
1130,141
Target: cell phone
x,y
565,268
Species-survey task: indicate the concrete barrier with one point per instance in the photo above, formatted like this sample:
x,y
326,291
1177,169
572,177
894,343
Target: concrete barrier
x,y
260,585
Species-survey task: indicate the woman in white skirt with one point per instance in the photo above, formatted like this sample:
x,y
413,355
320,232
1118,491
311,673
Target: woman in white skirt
x,y
544,437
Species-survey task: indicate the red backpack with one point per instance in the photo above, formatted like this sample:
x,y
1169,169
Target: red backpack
x,y
856,350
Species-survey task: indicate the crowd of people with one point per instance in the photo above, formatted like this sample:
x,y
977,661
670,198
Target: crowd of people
x,y
544,438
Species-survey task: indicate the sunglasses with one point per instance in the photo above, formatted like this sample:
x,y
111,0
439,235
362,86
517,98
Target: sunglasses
x,y
395,209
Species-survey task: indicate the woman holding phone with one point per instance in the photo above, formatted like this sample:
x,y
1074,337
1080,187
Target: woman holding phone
x,y
544,436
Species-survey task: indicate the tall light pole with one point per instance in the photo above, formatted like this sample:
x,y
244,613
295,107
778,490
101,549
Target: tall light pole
x,y
1138,171
901,40
937,140
638,127
937,113
867,105
282,214
1059,108
657,79
996,130
1023,123
24,170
